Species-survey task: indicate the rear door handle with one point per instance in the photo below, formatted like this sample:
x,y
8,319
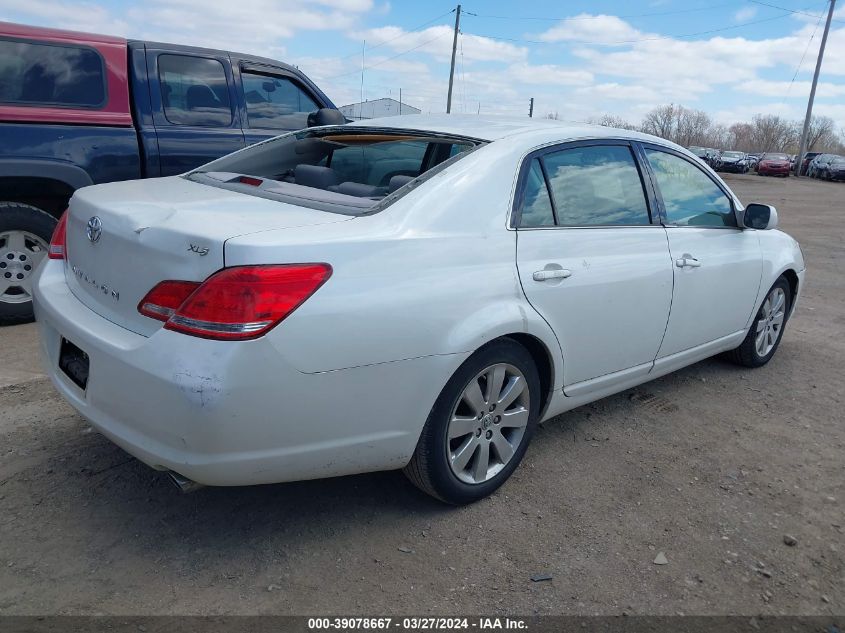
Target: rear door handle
x,y
687,261
556,273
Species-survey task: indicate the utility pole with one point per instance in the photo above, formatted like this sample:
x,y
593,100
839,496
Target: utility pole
x,y
452,68
531,108
400,101
803,147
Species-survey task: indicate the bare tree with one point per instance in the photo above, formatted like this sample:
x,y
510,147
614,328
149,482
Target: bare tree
x,y
740,137
822,134
612,120
661,122
553,115
773,133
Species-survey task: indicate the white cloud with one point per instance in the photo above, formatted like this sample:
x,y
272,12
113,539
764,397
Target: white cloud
x,y
595,29
745,14
249,26
437,42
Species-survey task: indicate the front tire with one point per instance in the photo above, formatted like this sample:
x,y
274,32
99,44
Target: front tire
x,y
480,426
766,332
25,233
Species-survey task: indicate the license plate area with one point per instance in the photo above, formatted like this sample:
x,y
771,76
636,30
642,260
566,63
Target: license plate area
x,y
74,363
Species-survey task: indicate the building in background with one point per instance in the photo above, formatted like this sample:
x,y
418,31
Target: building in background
x,y
376,108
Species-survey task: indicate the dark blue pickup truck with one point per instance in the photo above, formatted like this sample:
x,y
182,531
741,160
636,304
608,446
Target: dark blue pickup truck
x,y
78,109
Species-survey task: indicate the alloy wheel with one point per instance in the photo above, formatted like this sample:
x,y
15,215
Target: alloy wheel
x,y
488,423
20,254
770,323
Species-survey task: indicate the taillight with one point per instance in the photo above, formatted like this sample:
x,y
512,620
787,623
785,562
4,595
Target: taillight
x,y
162,301
58,243
237,303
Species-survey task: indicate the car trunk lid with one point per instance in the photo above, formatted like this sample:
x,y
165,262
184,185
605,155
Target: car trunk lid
x,y
124,238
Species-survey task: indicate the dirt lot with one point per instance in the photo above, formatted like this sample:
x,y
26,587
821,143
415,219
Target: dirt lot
x,y
711,466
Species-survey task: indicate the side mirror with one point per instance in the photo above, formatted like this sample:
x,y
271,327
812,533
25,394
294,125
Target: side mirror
x,y
760,216
326,116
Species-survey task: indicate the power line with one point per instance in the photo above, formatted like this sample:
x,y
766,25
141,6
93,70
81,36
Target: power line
x,y
796,12
593,17
401,35
645,39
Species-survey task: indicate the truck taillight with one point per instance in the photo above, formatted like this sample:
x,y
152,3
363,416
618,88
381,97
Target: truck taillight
x,y
58,243
237,303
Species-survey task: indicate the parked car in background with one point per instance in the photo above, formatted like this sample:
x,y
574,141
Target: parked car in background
x,y
736,162
78,109
753,159
835,169
413,292
708,154
805,163
774,164
818,166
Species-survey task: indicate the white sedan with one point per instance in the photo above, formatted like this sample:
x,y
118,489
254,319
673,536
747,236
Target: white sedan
x,y
415,292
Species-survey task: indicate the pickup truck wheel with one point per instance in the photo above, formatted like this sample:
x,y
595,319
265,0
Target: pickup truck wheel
x,y
25,233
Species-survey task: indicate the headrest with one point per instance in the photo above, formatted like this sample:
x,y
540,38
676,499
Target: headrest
x,y
398,181
314,176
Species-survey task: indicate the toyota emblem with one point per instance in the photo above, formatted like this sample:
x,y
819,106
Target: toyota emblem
x,y
94,229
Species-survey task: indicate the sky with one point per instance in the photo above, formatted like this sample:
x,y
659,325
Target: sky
x,y
579,59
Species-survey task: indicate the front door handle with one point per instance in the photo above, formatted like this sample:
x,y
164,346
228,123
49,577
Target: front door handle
x,y
687,261
554,273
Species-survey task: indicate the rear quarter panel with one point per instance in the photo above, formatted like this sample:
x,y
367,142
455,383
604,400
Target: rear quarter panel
x,y
433,274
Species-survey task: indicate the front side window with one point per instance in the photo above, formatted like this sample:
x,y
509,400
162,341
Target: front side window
x,y
275,102
51,74
194,91
598,185
690,197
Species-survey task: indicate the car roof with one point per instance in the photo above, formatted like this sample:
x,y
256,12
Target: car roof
x,y
494,128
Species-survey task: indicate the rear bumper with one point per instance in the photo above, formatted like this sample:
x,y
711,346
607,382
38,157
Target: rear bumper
x,y
234,413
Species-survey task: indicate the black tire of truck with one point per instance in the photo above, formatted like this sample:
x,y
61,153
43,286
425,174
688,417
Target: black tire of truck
x,y
19,217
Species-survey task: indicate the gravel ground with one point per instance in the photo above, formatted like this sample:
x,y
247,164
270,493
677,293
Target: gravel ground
x,y
735,477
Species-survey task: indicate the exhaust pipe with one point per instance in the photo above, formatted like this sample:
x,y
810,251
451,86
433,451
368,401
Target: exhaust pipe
x,y
184,484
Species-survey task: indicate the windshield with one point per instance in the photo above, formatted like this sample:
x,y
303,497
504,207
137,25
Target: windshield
x,y
733,154
340,169
775,157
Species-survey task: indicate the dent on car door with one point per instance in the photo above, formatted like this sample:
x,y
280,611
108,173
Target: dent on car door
x,y
591,262
717,265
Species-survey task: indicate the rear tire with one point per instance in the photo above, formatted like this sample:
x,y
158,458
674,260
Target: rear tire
x,y
766,331
480,426
25,233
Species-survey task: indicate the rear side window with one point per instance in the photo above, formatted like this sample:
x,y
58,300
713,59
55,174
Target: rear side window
x,y
690,197
275,102
51,74
596,185
536,204
194,91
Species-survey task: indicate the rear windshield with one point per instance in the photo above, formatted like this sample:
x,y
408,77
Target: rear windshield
x,y
345,170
